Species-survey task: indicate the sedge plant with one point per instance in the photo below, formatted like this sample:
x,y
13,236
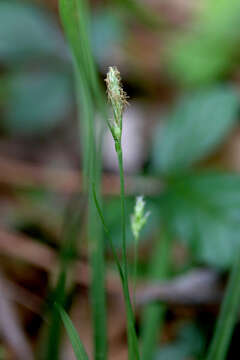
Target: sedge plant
x,y
75,20
118,100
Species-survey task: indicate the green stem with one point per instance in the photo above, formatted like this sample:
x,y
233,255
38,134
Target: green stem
x,y
135,265
132,338
228,316
153,315
123,210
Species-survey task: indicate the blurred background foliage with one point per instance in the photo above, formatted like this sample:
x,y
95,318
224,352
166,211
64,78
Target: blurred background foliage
x,y
180,66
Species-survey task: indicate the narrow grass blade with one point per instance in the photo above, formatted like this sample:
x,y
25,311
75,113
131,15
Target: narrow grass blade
x,y
107,233
53,340
77,345
75,19
228,316
153,315
70,230
97,290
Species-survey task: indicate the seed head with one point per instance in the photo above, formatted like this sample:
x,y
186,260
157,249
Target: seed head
x,y
114,87
138,219
118,99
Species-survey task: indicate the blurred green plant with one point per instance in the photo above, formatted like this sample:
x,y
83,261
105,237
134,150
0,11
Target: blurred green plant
x,y
36,102
208,49
195,127
36,86
199,206
91,101
28,32
202,208
190,343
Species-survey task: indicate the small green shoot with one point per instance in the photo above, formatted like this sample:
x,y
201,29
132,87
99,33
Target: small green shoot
x,y
138,220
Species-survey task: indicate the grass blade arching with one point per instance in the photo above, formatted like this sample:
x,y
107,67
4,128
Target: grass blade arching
x,y
228,316
75,19
72,334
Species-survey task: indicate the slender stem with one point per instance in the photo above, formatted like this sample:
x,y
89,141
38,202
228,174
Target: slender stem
x,y
107,233
228,316
132,338
135,265
123,210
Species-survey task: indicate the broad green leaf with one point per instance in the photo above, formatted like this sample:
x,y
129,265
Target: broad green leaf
x,y
73,335
36,102
27,31
208,49
197,124
203,210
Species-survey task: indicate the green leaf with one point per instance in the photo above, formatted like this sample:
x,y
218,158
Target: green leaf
x,y
203,210
208,50
36,102
27,31
73,335
197,124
